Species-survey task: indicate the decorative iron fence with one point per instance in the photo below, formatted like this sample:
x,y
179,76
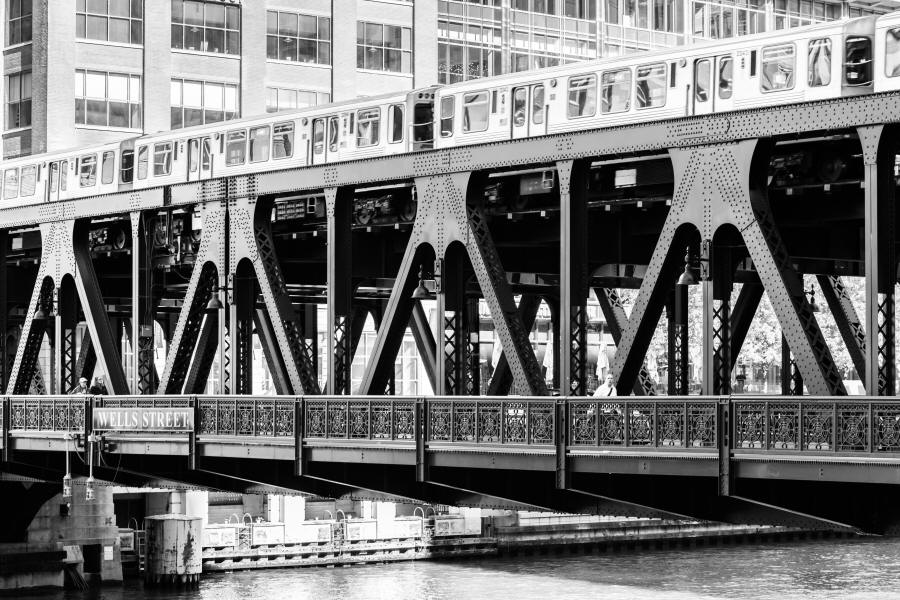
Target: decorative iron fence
x,y
817,425
144,401
364,419
492,421
247,416
643,424
46,413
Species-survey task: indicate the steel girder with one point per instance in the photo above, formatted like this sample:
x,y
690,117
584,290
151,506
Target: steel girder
x,y
879,149
742,316
614,314
573,280
64,251
143,307
715,186
501,378
791,377
446,216
338,210
425,344
846,318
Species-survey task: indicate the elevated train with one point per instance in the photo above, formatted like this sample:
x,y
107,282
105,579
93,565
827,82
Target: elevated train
x,y
845,58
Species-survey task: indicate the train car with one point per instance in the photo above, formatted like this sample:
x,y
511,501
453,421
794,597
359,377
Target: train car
x,y
887,53
101,169
810,63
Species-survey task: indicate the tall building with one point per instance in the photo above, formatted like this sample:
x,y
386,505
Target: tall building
x,y
83,71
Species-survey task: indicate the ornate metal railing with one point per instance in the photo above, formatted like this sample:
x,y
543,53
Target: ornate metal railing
x,y
492,421
144,401
247,416
643,424
817,425
45,413
362,419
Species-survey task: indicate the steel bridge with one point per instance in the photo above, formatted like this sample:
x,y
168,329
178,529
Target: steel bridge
x,y
758,197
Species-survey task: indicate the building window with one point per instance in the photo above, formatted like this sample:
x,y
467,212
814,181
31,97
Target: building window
x,y
285,99
18,100
107,99
206,27
18,21
201,102
110,20
383,47
301,38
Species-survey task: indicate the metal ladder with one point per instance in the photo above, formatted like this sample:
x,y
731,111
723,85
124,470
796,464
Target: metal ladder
x,y
140,537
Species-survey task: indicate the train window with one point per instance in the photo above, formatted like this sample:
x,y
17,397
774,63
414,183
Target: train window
x,y
236,147
87,171
108,168
193,155
162,159
319,136
702,72
819,62
11,184
892,52
423,125
29,180
672,71
520,102
537,104
54,176
283,140
858,65
753,63
447,109
726,77
778,66
475,112
395,124
126,173
650,88
206,155
582,96
259,144
63,175
332,134
615,91
368,127
142,162
494,102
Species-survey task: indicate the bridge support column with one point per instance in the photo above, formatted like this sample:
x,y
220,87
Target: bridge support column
x,y
573,288
143,307
64,324
451,299
679,382
847,320
879,150
339,208
501,379
717,318
425,344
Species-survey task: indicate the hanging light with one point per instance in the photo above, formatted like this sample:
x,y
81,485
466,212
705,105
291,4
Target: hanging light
x,y
421,292
812,300
687,277
214,302
89,484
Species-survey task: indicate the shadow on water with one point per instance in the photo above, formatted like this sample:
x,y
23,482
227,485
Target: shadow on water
x,y
859,569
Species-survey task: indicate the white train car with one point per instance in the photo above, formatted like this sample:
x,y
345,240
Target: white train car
x,y
887,53
804,64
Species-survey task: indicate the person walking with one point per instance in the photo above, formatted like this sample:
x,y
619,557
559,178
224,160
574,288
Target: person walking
x,y
81,387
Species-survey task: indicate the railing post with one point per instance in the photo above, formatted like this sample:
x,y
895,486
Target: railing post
x,y
561,427
192,436
421,433
7,414
88,419
724,440
299,458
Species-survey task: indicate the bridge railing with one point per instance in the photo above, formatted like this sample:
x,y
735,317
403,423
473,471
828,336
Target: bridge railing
x,y
374,418
48,413
246,416
842,424
497,420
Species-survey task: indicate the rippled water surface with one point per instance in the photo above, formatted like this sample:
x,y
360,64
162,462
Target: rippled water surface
x,y
826,569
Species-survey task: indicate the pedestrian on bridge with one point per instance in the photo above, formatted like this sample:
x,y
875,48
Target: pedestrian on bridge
x,y
608,388
81,387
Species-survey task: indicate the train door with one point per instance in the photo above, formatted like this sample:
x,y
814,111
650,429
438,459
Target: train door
x,y
713,84
529,115
324,140
199,159
53,181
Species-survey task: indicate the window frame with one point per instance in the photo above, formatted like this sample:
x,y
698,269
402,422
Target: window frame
x,y
134,107
17,24
229,34
628,85
11,192
135,24
762,67
164,150
108,167
365,115
205,108
720,65
280,128
638,79
28,173
468,101
142,160
231,141
252,150
392,122
895,32
444,118
23,103
363,46
318,41
818,42
588,83
87,177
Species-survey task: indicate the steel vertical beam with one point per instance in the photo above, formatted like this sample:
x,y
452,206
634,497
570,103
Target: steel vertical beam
x,y
501,378
878,146
274,359
425,343
573,288
143,305
678,342
742,316
339,283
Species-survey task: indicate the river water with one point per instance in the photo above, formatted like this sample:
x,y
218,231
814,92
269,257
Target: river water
x,y
858,569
